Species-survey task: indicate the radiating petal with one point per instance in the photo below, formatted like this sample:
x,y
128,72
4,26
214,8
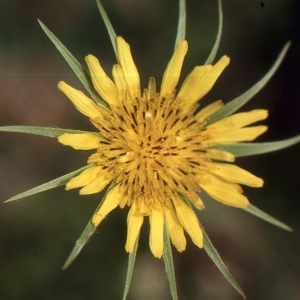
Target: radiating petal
x,y
102,83
111,202
152,87
84,178
235,174
130,71
198,203
224,192
120,81
157,232
96,186
208,110
84,104
134,223
200,81
247,134
175,230
94,158
189,221
172,72
220,155
241,119
84,141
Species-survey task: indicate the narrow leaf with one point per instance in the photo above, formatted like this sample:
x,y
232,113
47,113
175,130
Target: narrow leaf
x,y
86,234
246,149
215,48
49,185
181,22
169,265
79,71
235,104
131,262
43,131
264,216
215,257
111,32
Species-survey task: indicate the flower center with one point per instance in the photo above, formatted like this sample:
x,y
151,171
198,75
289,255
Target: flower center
x,y
154,149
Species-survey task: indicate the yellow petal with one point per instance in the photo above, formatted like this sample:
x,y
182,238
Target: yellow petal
x,y
102,83
226,193
235,174
94,158
111,202
130,71
220,155
119,80
84,178
237,135
172,72
152,87
134,223
208,110
84,104
81,141
96,186
189,221
175,230
198,203
200,81
241,119
157,232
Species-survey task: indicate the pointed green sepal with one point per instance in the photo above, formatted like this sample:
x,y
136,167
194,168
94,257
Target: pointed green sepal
x,y
215,257
111,32
79,71
169,265
49,185
215,48
235,104
246,149
87,232
264,216
131,262
43,131
80,243
181,22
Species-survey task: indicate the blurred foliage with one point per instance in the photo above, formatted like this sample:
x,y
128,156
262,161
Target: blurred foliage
x,y
37,234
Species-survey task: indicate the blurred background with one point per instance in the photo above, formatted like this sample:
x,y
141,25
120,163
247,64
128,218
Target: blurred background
x,y
38,233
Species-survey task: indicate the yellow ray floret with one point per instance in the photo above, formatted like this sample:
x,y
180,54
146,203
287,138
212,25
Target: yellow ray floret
x,y
85,105
200,81
110,203
175,230
84,178
156,232
84,141
130,71
189,221
102,83
134,223
172,73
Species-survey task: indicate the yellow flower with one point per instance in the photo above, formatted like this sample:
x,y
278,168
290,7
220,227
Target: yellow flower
x,y
157,147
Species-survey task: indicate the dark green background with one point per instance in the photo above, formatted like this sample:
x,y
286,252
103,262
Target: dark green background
x,y
38,233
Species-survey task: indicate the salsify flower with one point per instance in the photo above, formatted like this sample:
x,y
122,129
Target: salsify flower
x,y
155,151
156,147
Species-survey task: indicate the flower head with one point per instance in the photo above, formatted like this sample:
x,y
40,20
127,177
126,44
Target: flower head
x,y
157,147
